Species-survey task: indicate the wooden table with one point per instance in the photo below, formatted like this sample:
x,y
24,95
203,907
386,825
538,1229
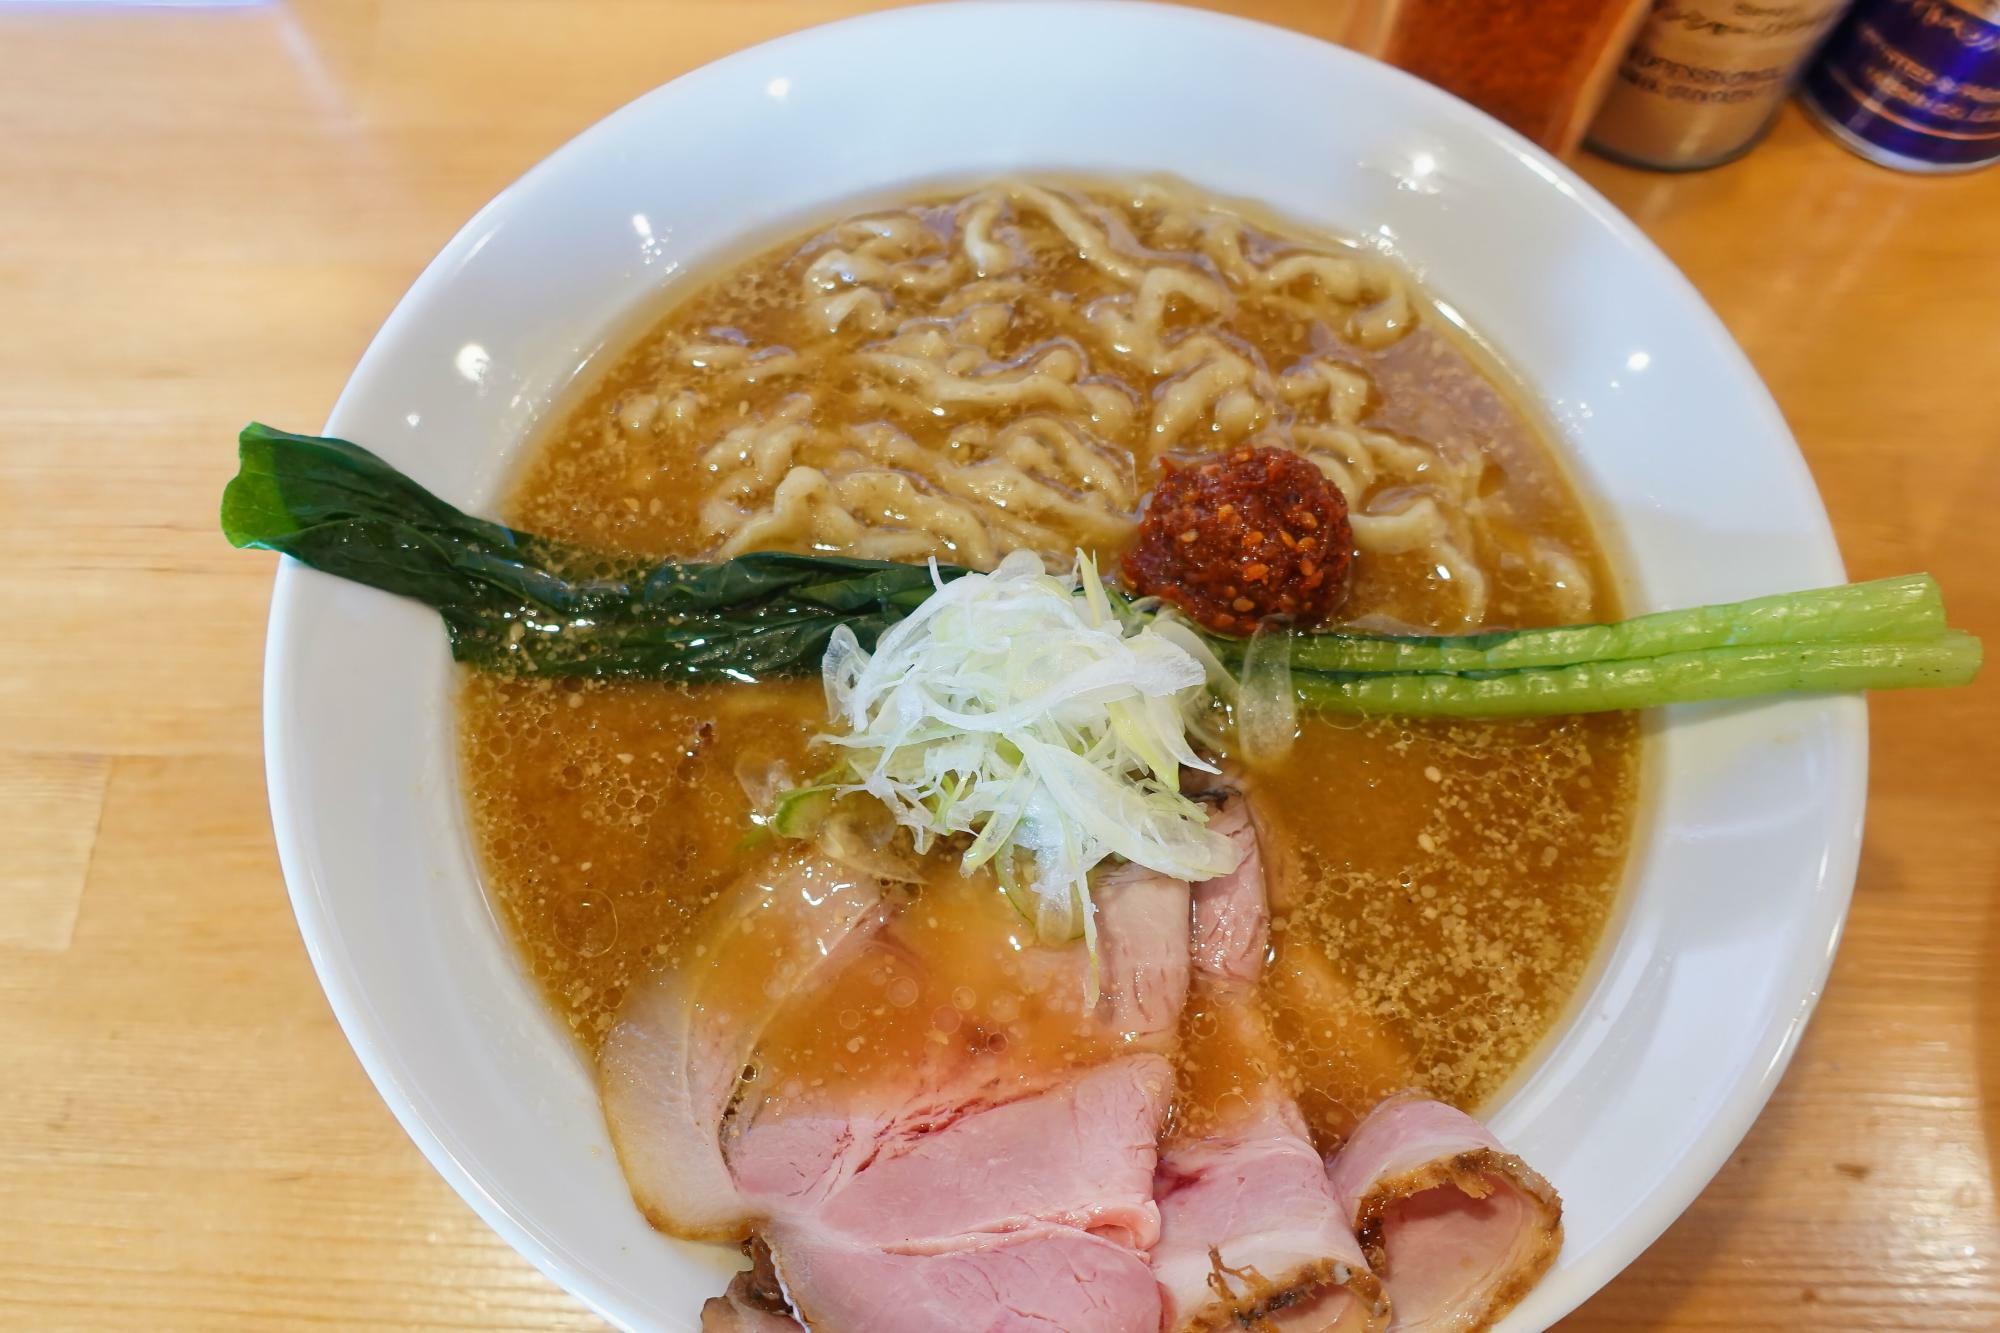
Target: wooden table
x,y
205,213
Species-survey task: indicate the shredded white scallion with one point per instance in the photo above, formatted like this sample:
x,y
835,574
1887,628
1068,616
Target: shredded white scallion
x,y
1016,707
1267,706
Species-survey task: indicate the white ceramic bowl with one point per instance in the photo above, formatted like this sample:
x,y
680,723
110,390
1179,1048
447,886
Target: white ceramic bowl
x,y
1739,879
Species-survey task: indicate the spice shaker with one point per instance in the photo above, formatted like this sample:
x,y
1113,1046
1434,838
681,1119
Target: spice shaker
x,y
1705,79
1541,67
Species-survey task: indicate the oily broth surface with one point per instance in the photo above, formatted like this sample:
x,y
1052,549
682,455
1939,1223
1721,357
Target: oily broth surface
x,y
1438,888
974,404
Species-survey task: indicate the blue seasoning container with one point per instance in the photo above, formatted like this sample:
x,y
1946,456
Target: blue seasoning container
x,y
1913,84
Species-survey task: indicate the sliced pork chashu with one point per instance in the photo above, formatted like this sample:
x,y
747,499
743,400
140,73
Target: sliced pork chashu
x,y
1015,1195
1458,1228
670,1066
1251,1235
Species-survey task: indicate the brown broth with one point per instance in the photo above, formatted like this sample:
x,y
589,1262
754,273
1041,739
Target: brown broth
x,y
1437,889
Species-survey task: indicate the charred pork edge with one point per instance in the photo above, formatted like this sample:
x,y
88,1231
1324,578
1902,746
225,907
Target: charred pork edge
x,y
1470,1172
1273,1297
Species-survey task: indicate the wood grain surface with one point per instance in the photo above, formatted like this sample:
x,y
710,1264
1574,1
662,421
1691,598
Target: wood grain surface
x,y
205,211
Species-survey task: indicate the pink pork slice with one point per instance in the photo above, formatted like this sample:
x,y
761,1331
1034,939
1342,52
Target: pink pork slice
x,y
1232,919
924,1174
1458,1228
1080,1147
1046,1279
669,1068
1142,957
1250,1233
1250,1236
952,1199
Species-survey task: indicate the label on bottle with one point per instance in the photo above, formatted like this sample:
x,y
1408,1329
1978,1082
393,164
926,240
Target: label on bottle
x,y
1914,83
1705,77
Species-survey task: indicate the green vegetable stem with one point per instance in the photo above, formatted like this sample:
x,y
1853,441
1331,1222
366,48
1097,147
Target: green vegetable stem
x,y
1951,658
1906,608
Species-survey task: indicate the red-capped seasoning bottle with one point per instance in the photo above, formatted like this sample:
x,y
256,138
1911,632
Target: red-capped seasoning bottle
x,y
1541,67
1913,84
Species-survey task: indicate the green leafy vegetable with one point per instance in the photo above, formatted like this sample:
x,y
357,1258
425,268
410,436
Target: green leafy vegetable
x,y
517,601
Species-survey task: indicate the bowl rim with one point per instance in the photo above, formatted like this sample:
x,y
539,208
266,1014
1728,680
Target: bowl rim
x,y
366,1032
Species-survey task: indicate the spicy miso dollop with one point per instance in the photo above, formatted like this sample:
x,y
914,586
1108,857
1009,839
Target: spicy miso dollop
x,y
1235,540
